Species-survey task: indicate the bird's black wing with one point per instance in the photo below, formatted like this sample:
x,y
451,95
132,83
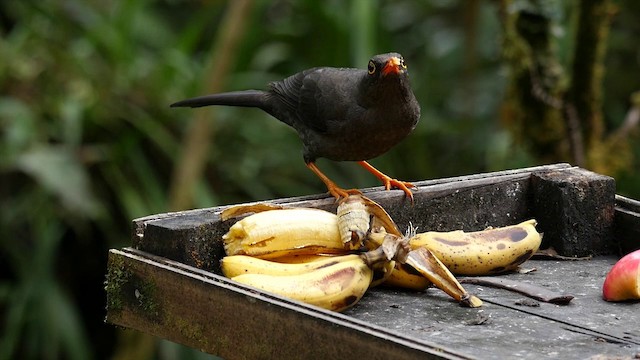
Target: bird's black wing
x,y
328,96
316,97
285,98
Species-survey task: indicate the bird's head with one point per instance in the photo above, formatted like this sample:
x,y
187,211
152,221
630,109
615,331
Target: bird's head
x,y
386,65
387,80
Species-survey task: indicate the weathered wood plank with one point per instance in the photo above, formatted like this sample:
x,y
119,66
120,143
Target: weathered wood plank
x,y
208,312
468,202
501,329
575,210
138,223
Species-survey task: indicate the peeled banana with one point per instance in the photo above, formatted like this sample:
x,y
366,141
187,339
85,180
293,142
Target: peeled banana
x,y
337,285
484,252
274,233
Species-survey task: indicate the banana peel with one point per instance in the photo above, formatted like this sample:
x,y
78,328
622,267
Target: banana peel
x,y
425,262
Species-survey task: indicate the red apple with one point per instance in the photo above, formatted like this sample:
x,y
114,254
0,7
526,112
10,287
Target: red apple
x,y
623,281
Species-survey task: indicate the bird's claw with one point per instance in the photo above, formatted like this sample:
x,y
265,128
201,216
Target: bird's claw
x,y
388,181
340,193
405,186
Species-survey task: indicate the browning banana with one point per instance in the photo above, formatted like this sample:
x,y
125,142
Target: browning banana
x,y
490,251
420,261
337,285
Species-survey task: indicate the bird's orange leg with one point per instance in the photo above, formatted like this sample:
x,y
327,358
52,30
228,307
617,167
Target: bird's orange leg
x,y
388,181
334,189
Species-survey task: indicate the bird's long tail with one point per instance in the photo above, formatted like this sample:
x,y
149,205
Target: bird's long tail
x,y
246,98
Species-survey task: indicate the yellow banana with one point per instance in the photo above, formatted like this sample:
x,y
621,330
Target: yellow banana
x,y
275,233
300,258
484,252
404,276
381,272
337,286
235,265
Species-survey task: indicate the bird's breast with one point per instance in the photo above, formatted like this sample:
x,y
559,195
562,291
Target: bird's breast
x,y
366,136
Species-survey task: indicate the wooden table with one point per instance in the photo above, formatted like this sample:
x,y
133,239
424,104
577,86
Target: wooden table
x,y
168,282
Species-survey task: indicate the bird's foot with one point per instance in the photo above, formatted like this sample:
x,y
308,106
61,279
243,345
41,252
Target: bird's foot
x,y
405,186
335,190
388,181
340,193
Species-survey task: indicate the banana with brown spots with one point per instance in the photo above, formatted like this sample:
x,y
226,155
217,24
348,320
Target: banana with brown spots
x,y
335,283
489,251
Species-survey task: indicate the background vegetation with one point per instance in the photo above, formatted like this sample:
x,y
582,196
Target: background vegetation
x,y
88,141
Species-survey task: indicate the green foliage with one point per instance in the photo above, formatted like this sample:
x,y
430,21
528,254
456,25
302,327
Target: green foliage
x,y
89,143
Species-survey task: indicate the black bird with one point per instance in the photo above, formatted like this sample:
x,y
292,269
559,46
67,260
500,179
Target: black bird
x,y
341,114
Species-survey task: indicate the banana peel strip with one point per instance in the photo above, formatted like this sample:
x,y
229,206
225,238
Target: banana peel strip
x,y
381,217
240,210
425,262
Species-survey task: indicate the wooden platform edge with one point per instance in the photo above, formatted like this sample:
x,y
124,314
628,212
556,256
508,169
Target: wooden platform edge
x,y
329,200
471,202
153,295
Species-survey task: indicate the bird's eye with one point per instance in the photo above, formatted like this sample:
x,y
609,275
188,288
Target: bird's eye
x,y
371,68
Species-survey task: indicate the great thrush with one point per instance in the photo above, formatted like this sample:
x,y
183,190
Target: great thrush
x,y
341,114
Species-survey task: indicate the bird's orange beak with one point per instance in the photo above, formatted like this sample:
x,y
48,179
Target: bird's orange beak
x,y
393,66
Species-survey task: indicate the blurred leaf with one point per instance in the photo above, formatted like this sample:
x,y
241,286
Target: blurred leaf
x,y
57,169
18,125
